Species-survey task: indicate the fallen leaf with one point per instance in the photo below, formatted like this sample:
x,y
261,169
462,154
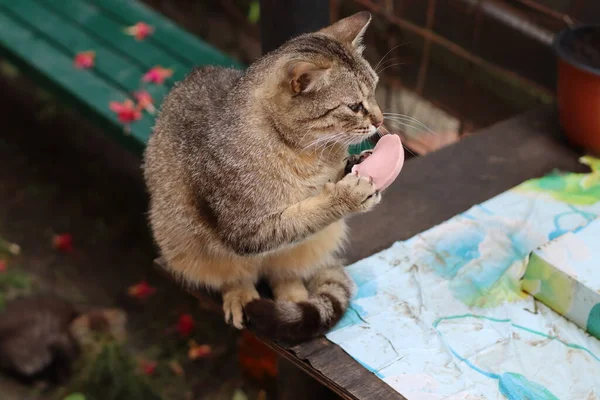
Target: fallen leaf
x,y
176,367
11,248
75,396
63,242
185,325
126,111
197,351
140,31
239,395
145,101
157,75
255,358
3,266
9,70
141,290
84,60
148,367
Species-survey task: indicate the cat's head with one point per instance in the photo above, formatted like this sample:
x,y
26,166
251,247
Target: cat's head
x,y
324,90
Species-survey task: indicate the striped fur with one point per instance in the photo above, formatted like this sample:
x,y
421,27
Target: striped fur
x,y
330,292
245,172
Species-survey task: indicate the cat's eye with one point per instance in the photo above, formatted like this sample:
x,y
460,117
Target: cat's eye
x,y
357,107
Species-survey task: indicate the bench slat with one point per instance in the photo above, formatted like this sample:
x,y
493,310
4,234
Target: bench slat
x,y
170,36
91,19
110,65
79,87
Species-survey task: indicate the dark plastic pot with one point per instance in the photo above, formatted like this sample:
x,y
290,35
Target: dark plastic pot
x,y
578,90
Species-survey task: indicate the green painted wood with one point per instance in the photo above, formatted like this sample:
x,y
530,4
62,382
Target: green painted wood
x,y
91,19
55,69
110,65
171,37
43,36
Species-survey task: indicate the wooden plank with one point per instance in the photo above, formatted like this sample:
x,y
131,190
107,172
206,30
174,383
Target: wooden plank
x,y
110,65
91,19
79,87
170,36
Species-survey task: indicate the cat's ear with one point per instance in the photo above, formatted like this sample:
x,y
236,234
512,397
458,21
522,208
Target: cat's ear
x,y
351,29
304,76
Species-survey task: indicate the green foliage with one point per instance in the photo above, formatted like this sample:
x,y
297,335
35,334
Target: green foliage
x,y
254,12
9,70
75,396
111,375
13,284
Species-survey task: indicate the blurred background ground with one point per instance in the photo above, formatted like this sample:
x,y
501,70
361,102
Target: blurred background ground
x,y
61,176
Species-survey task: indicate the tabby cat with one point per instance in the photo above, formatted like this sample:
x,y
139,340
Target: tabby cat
x,y
245,171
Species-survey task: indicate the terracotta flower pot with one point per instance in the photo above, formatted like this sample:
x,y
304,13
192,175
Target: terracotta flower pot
x,y
578,87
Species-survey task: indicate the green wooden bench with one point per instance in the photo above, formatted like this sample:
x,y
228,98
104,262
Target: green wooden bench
x,y
42,37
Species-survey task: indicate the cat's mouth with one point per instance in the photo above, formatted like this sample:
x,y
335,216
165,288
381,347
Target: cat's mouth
x,y
372,139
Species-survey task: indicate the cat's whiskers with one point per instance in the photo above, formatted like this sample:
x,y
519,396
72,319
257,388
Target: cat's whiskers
x,y
389,66
323,140
386,54
331,144
405,148
316,141
402,124
409,122
391,60
309,130
406,118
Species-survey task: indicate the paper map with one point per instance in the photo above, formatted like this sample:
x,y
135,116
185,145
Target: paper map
x,y
442,315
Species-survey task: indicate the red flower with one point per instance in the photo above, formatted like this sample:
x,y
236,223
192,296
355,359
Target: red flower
x,y
84,60
126,111
198,351
157,75
63,242
3,266
140,31
145,101
185,325
141,290
148,367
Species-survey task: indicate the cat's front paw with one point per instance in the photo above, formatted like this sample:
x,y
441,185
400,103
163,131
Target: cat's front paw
x,y
234,301
354,159
355,194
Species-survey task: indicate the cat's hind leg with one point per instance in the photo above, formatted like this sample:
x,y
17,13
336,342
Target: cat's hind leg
x,y
290,289
234,277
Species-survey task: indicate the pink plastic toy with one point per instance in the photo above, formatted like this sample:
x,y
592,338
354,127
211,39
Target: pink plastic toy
x,y
385,163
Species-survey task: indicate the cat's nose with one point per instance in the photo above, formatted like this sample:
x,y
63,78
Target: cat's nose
x,y
378,123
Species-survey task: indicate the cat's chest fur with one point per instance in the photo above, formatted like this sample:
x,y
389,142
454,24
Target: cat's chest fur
x,y
307,179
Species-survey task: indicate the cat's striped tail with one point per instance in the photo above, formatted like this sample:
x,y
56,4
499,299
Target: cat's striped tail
x,y
330,291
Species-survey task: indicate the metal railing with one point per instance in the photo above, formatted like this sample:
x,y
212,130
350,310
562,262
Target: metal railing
x,y
427,24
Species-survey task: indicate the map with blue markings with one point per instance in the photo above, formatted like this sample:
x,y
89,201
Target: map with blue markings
x,y
442,315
